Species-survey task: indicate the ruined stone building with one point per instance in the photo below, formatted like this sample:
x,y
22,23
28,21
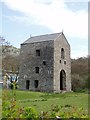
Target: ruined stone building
x,y
45,64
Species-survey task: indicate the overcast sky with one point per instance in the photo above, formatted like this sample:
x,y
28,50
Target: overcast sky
x,y
22,18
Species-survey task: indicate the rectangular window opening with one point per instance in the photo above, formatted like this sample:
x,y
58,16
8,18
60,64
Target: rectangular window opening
x,y
44,62
37,52
37,69
64,62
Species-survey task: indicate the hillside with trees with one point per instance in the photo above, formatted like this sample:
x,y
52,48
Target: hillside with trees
x,y
9,55
79,73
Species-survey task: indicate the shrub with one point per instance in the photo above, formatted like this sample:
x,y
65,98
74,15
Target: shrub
x,y
30,114
78,82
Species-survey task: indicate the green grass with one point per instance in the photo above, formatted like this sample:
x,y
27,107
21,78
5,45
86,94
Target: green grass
x,y
44,101
0,103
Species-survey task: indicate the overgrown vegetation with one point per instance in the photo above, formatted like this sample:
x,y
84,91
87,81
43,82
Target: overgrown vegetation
x,y
10,56
37,105
79,72
10,63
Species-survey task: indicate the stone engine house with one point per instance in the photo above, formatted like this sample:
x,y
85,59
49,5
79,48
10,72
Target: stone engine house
x,y
45,64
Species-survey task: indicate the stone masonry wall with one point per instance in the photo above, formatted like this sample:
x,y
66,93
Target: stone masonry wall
x,y
59,43
29,61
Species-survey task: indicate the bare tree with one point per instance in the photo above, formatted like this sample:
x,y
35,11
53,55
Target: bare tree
x,y
3,42
9,62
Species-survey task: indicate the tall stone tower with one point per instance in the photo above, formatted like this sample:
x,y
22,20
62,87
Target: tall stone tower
x,y
45,64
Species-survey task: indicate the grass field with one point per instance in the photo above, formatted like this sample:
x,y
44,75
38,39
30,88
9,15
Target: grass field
x,y
44,101
0,103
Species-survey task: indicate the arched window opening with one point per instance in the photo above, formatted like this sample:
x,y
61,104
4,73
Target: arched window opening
x,y
62,53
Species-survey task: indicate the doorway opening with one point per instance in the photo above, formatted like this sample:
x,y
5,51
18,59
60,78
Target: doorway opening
x,y
62,80
36,83
27,84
